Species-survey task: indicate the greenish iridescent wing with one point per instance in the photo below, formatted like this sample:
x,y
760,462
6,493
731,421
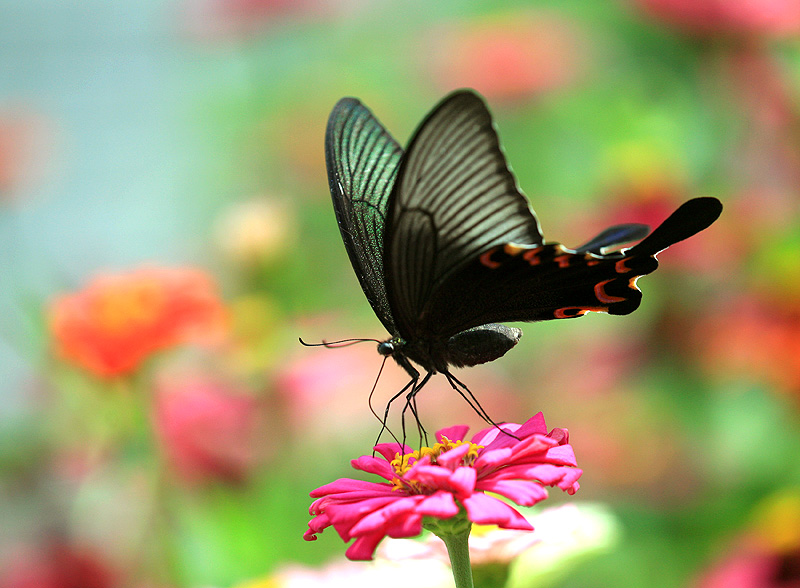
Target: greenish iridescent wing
x,y
362,160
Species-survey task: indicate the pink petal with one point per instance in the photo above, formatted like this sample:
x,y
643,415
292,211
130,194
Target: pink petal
x,y
390,450
407,526
348,485
431,476
452,458
534,445
523,492
463,480
316,525
492,458
441,504
363,548
372,465
485,510
454,433
378,519
563,454
533,426
494,436
339,512
560,435
547,474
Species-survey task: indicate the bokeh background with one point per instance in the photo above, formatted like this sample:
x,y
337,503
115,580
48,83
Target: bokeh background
x,y
161,164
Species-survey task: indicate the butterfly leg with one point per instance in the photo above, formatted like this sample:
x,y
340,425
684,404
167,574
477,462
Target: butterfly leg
x,y
467,395
385,419
411,404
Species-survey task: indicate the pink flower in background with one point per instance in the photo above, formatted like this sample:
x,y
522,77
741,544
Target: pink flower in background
x,y
508,58
214,19
58,565
729,17
767,554
114,324
323,388
207,430
441,480
25,148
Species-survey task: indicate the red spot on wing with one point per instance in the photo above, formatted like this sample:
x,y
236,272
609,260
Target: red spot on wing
x,y
532,256
621,266
602,296
562,260
486,259
576,311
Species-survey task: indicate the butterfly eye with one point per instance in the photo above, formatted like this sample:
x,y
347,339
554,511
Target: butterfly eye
x,y
386,347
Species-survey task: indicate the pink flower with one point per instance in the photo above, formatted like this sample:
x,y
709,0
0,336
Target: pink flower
x,y
57,565
508,58
730,17
767,553
207,431
443,480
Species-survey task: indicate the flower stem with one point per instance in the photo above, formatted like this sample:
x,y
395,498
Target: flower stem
x,y
458,550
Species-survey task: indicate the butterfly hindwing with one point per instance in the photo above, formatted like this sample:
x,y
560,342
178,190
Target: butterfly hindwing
x,y
362,160
514,282
454,197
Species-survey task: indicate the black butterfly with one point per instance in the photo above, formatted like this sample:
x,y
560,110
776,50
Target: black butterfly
x,y
445,245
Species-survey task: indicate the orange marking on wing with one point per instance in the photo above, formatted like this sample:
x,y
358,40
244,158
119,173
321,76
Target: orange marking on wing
x,y
582,310
602,296
512,249
532,256
562,260
632,283
621,268
486,259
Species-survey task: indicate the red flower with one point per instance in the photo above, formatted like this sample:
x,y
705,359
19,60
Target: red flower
x,y
731,17
442,480
509,58
207,431
58,565
119,320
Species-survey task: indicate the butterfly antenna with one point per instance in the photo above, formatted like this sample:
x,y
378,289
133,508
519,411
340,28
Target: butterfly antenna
x,y
336,344
473,402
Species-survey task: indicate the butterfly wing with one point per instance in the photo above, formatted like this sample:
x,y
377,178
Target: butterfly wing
x,y
362,160
513,282
453,199
614,236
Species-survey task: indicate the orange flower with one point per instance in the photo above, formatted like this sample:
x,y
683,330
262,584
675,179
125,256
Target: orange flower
x,y
119,320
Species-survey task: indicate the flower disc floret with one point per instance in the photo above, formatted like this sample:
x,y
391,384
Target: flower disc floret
x,y
441,481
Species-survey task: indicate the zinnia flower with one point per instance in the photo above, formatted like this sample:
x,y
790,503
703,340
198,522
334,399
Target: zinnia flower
x,y
119,320
732,17
207,430
508,58
442,481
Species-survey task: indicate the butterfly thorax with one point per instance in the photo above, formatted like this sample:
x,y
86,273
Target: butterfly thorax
x,y
467,348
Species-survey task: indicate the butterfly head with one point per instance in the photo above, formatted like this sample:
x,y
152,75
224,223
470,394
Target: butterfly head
x,y
390,346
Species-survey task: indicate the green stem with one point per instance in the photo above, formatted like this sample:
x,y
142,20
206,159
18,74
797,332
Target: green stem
x,y
458,550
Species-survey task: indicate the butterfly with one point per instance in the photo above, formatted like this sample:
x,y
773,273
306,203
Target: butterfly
x,y
446,247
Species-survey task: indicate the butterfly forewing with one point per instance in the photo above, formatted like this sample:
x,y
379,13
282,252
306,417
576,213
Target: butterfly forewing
x,y
362,160
454,197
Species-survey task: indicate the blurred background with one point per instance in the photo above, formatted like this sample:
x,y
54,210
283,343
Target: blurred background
x,y
166,235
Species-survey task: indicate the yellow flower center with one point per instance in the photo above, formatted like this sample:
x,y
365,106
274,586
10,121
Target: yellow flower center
x,y
402,463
